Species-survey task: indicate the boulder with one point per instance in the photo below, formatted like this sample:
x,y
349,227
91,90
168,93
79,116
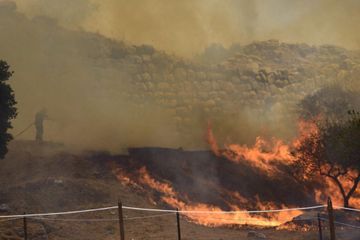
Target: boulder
x,y
146,76
256,235
209,103
180,74
163,85
4,208
228,87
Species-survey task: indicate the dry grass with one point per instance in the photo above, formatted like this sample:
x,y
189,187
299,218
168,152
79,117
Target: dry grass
x,y
30,176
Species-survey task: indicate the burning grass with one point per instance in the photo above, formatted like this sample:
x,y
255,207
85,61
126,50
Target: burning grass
x,y
233,178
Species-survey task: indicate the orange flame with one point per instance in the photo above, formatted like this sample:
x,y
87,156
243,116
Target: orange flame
x,y
210,215
263,152
305,129
212,140
261,155
146,179
333,191
258,155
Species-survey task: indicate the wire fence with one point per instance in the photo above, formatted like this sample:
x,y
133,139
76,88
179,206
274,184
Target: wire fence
x,y
324,223
160,210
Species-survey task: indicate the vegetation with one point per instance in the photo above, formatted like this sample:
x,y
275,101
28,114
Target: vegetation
x,y
7,107
331,101
334,152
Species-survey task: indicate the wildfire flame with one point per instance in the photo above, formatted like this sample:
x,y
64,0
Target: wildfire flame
x,y
263,152
261,155
333,191
256,156
209,215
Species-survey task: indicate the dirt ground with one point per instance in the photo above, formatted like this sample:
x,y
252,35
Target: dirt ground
x,y
50,178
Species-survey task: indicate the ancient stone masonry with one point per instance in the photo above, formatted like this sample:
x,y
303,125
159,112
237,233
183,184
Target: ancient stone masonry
x,y
261,78
259,75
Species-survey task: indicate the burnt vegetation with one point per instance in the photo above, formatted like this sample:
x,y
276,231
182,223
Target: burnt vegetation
x,y
333,152
202,177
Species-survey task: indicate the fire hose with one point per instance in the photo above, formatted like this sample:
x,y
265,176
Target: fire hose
x,y
27,128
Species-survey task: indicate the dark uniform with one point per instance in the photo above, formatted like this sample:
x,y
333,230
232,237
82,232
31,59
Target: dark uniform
x,y
39,125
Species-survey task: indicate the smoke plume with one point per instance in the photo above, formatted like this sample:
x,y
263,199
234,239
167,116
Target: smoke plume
x,y
187,27
78,59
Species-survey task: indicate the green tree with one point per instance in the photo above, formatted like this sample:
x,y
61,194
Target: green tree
x,y
7,107
333,152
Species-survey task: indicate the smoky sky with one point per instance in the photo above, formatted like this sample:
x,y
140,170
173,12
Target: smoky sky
x,y
186,27
62,61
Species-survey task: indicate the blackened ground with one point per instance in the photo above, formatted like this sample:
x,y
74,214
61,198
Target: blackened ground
x,y
50,177
206,178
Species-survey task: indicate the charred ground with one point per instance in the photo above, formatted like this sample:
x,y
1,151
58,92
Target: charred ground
x,y
203,177
44,174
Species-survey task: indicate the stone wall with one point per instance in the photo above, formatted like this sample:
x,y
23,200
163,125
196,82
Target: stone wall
x,y
257,77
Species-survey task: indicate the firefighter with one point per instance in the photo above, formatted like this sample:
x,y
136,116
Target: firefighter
x,y
39,124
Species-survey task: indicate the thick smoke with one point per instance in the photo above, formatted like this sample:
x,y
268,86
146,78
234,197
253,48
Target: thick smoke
x,y
187,27
107,93
70,13
83,91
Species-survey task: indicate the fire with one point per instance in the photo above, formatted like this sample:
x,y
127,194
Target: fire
x,y
209,215
263,155
305,129
212,140
146,179
122,176
263,152
214,216
333,191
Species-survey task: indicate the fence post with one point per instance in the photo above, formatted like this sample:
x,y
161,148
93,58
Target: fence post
x,y
178,224
25,227
121,221
331,219
320,229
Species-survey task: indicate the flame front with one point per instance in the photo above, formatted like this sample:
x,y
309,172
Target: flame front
x,y
209,215
256,156
264,152
263,155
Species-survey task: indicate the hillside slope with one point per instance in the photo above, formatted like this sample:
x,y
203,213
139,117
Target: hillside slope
x,y
98,89
50,177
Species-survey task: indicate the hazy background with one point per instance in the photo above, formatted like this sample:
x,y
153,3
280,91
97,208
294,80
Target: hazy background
x,y
62,60
187,27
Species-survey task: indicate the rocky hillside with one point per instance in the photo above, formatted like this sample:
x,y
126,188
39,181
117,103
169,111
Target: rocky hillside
x,y
81,75
267,79
257,75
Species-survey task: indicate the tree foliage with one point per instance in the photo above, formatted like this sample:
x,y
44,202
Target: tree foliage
x,y
331,101
8,110
334,152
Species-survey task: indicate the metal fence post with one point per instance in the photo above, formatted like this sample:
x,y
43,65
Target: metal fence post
x,y
121,221
320,228
25,227
331,219
178,224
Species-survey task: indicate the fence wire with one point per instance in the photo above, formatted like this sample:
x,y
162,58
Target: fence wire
x,y
157,227
162,210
